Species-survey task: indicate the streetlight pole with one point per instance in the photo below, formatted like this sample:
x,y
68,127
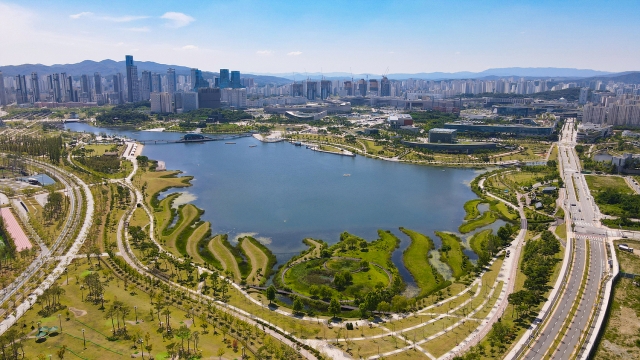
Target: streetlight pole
x,y
84,339
142,347
135,309
60,321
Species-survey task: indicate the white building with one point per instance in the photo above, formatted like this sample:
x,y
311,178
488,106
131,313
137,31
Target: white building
x,y
161,102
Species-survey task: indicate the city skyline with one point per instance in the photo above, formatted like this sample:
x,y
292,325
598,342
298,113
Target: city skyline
x,y
279,37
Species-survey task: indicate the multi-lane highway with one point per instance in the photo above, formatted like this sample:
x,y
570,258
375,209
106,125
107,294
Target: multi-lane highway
x,y
565,330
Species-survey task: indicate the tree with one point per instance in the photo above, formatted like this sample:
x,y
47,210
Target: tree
x,y
298,306
61,352
183,333
334,307
271,293
220,353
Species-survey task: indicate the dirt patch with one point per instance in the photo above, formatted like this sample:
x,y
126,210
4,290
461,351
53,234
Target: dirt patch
x,y
614,349
78,312
631,322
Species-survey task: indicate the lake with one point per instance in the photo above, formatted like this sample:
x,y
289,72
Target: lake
x,y
280,193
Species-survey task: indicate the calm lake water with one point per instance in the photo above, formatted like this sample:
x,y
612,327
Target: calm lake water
x,y
281,194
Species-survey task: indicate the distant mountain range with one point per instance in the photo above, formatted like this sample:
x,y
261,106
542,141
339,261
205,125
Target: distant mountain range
x,y
489,73
111,67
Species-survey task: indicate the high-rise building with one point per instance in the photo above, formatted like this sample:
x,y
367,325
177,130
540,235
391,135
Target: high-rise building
x,y
58,95
584,95
348,87
85,89
118,88
235,80
373,87
161,102
3,96
145,85
223,81
133,87
325,89
189,101
235,97
67,87
156,83
197,81
171,81
22,95
297,89
385,87
312,90
362,87
209,98
35,87
97,83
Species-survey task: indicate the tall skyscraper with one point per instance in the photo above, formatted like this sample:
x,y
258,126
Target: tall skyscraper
x,y
118,88
296,89
171,81
312,90
325,89
197,81
58,95
385,87
85,89
223,82
362,87
97,83
3,96
22,96
373,87
133,87
156,83
35,87
235,80
348,87
145,85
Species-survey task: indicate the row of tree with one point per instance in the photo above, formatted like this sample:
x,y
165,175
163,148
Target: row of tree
x,y
50,147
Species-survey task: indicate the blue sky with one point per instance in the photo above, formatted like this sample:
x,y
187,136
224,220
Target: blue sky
x,y
263,36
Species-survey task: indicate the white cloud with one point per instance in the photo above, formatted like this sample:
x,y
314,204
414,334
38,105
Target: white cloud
x,y
126,18
189,47
82,14
139,29
177,19
264,52
295,53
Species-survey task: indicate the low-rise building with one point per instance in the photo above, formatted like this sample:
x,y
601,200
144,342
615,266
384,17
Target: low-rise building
x,y
398,120
588,132
447,136
518,130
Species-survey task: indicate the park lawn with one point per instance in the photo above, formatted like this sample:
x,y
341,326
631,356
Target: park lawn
x,y
158,181
192,243
416,259
487,218
407,355
164,214
379,251
601,183
433,328
225,257
97,327
486,309
478,241
504,210
330,149
440,345
139,218
554,153
258,259
561,231
188,214
471,208
622,326
371,347
100,149
455,258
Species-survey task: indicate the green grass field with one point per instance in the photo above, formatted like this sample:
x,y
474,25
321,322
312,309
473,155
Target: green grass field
x,y
471,209
488,217
600,183
454,257
416,259
479,240
173,237
225,257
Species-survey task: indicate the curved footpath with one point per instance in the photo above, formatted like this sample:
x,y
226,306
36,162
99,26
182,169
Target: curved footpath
x,y
64,260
